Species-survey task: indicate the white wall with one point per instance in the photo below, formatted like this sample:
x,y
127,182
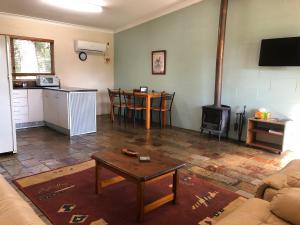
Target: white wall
x,y
93,73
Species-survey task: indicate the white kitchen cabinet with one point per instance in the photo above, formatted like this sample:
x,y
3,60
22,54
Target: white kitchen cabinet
x,y
20,107
56,108
82,112
20,110
50,108
19,93
62,109
28,107
70,112
35,105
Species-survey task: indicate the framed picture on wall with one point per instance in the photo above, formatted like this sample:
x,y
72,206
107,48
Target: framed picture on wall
x,y
159,62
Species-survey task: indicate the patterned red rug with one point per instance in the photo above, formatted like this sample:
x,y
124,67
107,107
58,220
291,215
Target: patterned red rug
x,y
67,196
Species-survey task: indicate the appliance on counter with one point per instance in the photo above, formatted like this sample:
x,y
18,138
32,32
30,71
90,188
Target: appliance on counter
x,y
47,81
8,141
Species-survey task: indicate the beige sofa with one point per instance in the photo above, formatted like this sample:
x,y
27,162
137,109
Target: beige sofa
x,y
277,201
289,176
253,212
13,209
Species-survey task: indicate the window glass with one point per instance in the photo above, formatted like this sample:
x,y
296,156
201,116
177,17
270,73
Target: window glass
x,y
32,57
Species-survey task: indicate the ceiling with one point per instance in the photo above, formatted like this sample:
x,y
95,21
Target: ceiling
x,y
116,16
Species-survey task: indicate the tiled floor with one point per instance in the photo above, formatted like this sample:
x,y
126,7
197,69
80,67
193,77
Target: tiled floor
x,y
226,163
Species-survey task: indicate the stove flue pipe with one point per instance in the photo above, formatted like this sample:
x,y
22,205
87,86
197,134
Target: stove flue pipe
x,y
220,52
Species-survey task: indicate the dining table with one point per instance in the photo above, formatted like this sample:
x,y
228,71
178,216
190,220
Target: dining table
x,y
148,97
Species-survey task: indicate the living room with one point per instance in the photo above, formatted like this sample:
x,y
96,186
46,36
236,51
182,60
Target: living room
x,y
117,123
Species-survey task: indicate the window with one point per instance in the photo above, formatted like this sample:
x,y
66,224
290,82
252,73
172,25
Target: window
x,y
32,56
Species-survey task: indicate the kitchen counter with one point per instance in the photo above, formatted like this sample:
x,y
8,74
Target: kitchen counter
x,y
64,89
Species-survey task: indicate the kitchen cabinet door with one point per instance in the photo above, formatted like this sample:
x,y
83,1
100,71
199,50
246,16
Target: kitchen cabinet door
x,y
63,112
35,105
50,107
19,93
20,106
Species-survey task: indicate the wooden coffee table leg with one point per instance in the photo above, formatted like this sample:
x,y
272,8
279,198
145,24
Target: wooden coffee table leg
x,y
140,201
98,185
175,185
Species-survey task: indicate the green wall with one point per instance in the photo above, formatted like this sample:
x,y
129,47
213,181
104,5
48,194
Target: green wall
x,y
190,38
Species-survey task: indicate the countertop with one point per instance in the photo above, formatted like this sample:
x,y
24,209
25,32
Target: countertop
x,y
64,89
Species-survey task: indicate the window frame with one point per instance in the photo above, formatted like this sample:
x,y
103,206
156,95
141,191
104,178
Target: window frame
x,y
12,38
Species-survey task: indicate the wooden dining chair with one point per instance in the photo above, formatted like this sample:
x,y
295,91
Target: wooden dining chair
x,y
164,106
154,103
140,101
134,104
115,98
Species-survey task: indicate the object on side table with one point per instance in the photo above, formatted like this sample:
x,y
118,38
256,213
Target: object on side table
x,y
262,113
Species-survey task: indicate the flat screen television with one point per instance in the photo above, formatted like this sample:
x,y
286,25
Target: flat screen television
x,y
280,52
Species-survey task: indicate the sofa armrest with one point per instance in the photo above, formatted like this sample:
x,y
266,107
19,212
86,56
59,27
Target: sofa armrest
x,y
253,212
289,176
13,209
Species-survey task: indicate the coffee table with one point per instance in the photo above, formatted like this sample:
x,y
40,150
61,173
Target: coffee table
x,y
141,173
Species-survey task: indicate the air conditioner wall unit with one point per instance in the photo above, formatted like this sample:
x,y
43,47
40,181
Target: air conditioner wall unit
x,y
87,46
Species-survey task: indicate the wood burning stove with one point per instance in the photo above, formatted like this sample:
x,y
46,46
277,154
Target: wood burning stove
x,y
216,117
216,120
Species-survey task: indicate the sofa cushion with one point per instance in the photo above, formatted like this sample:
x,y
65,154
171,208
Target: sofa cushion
x,y
253,212
286,205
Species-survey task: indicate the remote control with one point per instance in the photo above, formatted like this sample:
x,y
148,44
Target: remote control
x,y
144,158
